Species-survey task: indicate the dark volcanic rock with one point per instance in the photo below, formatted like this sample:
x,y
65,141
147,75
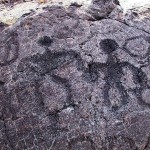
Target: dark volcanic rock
x,y
68,83
102,8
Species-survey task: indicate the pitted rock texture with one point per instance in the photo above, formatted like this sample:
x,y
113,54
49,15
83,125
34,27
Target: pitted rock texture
x,y
102,8
68,83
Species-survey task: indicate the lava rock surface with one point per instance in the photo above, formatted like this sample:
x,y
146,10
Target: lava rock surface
x,y
67,83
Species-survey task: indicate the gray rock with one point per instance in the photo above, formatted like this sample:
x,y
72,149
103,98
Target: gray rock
x,y
100,9
2,26
71,83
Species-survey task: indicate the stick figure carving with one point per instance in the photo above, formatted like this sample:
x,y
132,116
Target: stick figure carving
x,y
113,70
114,73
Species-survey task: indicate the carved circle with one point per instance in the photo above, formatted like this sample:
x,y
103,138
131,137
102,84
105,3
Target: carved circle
x,y
137,47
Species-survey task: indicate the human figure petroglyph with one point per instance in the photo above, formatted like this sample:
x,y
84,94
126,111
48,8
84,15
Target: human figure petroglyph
x,y
34,69
49,61
114,72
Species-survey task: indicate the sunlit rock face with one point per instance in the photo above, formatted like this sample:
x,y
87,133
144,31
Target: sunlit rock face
x,y
127,4
72,81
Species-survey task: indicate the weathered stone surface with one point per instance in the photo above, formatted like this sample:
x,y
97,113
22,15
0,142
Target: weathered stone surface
x,y
71,83
2,26
102,8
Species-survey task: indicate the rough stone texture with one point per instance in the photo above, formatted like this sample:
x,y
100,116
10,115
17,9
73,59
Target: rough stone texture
x,y
72,83
101,8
